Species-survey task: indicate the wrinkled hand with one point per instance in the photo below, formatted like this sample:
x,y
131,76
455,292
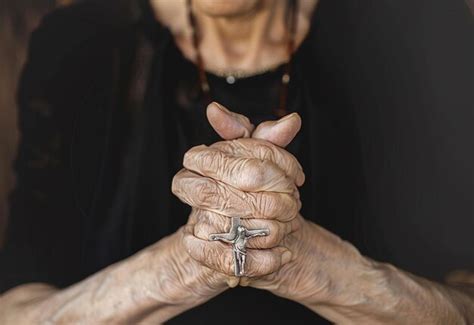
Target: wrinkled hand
x,y
240,182
257,180
250,178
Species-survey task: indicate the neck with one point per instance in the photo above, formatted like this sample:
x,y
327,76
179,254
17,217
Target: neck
x,y
246,42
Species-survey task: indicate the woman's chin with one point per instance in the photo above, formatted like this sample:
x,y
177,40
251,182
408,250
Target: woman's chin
x,y
226,8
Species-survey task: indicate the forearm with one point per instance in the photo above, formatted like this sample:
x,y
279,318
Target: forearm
x,y
365,291
395,297
148,285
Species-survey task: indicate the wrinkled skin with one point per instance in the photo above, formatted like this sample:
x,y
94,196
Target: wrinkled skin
x,y
250,178
257,181
260,191
253,178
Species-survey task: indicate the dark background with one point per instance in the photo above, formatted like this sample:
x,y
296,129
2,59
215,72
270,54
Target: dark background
x,y
18,18
407,70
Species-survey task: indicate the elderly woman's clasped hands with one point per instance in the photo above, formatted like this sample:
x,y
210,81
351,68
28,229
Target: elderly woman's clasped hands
x,y
252,181
252,177
244,229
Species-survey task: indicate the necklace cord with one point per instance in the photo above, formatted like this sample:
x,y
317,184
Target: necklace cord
x,y
292,17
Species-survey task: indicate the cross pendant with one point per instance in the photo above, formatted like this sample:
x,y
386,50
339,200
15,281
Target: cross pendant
x,y
238,236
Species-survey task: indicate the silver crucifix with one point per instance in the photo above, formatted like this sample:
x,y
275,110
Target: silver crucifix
x,y
238,236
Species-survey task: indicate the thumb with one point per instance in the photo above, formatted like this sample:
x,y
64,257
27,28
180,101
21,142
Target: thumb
x,y
280,132
227,124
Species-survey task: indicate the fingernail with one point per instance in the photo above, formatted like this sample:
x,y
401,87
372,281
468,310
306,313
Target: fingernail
x,y
232,282
285,118
244,282
220,107
286,257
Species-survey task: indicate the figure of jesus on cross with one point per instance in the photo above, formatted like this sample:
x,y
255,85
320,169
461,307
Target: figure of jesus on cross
x,y
238,236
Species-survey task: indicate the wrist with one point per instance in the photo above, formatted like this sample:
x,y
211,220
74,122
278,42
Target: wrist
x,y
359,292
366,295
153,285
381,293
421,300
321,267
334,270
178,279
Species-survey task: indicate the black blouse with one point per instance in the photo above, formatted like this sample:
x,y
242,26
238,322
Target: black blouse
x,y
389,167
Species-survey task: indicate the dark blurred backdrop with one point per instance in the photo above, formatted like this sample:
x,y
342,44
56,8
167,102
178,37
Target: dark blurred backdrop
x,y
17,19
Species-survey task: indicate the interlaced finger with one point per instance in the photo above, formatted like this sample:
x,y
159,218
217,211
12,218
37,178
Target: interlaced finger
x,y
246,174
207,223
219,256
264,150
211,195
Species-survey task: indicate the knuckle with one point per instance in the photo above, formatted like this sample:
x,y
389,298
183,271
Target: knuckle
x,y
228,147
202,230
294,226
267,205
207,160
276,235
190,155
279,156
205,191
273,239
263,150
177,183
266,151
271,264
188,244
214,161
288,207
293,206
204,160
223,198
210,225
210,255
254,175
264,175
263,264
291,226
